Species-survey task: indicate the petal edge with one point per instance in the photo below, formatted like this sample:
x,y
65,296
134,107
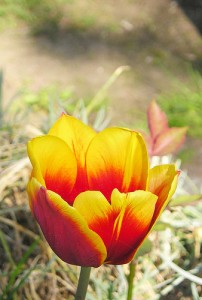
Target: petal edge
x,y
65,229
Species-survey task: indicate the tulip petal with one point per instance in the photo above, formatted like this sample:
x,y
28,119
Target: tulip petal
x,y
122,225
131,226
54,165
163,183
117,158
76,135
97,212
65,229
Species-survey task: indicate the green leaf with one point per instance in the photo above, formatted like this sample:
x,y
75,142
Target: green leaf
x,y
144,248
161,226
185,199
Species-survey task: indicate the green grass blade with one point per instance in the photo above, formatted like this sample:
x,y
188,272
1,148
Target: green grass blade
x,y
99,97
6,248
9,289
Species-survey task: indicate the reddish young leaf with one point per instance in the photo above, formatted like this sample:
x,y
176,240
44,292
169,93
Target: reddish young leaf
x,y
169,141
157,120
148,141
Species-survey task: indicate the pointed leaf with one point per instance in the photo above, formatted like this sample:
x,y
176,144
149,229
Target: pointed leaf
x,y
185,199
161,226
144,248
157,120
169,141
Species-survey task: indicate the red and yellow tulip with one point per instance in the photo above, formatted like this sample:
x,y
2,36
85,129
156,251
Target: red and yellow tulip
x,y
93,194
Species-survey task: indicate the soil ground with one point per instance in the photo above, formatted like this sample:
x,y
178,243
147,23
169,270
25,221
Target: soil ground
x,y
154,38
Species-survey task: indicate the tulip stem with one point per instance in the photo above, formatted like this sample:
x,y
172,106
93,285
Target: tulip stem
x,y
83,283
130,279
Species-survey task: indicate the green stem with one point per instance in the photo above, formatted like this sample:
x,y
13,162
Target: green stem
x,y
131,280
83,283
97,100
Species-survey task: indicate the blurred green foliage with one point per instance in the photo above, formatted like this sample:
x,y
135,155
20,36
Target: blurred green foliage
x,y
37,13
50,16
183,105
42,98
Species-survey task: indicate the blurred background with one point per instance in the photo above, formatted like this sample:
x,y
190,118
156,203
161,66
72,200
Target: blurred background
x,y
54,47
62,54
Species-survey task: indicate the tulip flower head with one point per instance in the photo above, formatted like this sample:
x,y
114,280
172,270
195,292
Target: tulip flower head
x,y
93,194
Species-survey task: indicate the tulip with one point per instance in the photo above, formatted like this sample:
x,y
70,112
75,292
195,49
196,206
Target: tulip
x,y
93,194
